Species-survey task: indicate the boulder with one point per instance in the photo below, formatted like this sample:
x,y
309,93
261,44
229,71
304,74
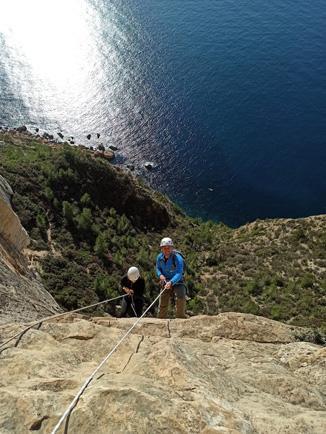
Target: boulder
x,y
148,165
22,129
48,136
109,155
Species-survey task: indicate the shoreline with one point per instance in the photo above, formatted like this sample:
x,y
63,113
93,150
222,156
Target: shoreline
x,y
111,154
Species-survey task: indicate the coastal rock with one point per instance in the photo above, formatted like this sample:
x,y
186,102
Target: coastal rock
x,y
22,129
107,155
148,165
88,136
98,135
164,378
61,135
113,148
48,136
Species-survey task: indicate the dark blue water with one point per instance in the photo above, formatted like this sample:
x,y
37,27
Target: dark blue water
x,y
227,98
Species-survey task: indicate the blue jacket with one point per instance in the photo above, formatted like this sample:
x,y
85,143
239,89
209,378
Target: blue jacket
x,y
172,270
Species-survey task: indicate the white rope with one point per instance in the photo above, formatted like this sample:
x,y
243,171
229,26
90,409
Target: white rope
x,y
90,378
133,306
58,315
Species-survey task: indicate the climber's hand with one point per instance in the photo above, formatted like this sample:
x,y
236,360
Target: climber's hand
x,y
168,285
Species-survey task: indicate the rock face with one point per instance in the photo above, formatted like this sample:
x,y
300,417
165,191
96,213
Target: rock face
x,y
10,227
22,296
231,373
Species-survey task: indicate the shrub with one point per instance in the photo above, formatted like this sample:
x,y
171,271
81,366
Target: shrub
x,y
85,200
307,280
84,220
254,287
68,211
101,245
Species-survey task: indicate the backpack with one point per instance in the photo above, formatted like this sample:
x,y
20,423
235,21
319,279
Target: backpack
x,y
188,295
174,261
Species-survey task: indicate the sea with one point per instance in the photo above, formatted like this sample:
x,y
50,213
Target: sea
x,y
225,98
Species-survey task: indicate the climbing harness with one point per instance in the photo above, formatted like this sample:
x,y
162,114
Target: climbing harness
x,y
59,315
74,402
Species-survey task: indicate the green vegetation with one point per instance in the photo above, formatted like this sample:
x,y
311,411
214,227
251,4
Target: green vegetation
x,y
95,221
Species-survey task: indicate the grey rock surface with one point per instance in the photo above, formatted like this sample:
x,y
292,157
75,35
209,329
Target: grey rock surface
x,y
218,374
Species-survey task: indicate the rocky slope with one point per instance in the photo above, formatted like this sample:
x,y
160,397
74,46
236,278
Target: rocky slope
x,y
274,268
22,296
231,373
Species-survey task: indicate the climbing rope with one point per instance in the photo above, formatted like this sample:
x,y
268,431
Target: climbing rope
x,y
74,402
59,315
133,306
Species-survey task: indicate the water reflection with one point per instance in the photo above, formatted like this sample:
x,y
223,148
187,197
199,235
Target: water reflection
x,y
73,64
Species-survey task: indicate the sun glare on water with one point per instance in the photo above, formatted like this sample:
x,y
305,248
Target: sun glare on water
x,y
75,66
52,53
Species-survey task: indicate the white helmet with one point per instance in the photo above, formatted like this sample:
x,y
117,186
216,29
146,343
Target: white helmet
x,y
133,274
166,242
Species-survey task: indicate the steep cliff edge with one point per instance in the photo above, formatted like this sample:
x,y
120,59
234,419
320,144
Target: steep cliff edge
x,y
22,296
13,237
231,373
10,226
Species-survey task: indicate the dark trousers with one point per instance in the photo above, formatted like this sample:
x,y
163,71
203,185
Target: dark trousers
x,y
126,308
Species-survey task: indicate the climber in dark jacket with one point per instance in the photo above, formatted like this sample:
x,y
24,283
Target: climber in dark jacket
x,y
133,285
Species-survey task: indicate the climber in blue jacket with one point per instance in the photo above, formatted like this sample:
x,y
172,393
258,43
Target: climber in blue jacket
x,y
169,269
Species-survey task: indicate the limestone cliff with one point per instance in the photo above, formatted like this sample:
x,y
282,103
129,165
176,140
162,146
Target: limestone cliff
x,y
13,237
22,296
231,373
